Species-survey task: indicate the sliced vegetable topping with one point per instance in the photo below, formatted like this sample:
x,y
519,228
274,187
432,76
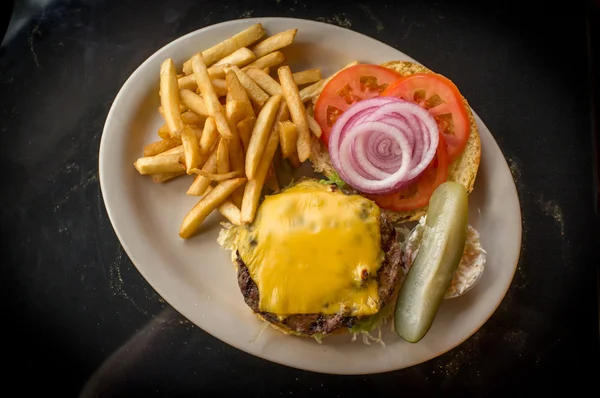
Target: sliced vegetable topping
x,y
383,144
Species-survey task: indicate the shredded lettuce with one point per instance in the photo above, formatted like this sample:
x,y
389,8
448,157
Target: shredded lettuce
x,y
334,179
370,323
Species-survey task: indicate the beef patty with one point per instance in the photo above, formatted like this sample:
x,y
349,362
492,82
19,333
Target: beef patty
x,y
309,324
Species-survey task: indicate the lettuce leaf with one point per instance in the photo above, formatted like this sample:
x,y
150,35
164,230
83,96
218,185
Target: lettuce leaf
x,y
334,179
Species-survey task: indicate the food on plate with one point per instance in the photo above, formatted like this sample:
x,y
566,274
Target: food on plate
x,y
431,273
396,143
311,270
297,111
471,266
169,97
456,158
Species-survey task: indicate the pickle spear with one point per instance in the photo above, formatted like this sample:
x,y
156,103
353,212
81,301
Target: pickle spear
x,y
439,254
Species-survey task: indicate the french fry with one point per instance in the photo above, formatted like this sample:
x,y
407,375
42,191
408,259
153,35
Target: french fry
x,y
178,150
164,132
164,177
222,157
307,76
191,149
244,128
190,117
189,82
215,198
242,39
209,135
312,91
288,137
260,134
218,177
267,70
161,146
158,164
211,100
254,187
275,42
241,57
297,111
313,126
255,93
220,87
228,209
193,101
201,183
238,93
235,111
264,81
267,61
231,212
169,97
222,125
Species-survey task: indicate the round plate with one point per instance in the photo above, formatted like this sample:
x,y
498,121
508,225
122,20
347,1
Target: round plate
x,y
197,277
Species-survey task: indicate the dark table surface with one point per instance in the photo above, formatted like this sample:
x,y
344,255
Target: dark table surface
x,y
81,319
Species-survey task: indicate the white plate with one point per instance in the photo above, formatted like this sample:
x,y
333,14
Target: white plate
x,y
197,277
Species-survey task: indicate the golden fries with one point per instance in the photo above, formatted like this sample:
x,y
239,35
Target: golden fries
x,y
260,134
275,42
239,58
169,97
158,164
243,39
207,204
220,87
211,100
190,117
189,82
231,212
297,111
255,93
193,101
218,177
244,128
254,186
288,137
201,183
209,135
267,61
164,132
307,76
191,149
313,126
264,81
225,116
238,93
161,146
222,158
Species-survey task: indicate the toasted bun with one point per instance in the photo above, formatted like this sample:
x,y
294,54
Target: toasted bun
x,y
462,170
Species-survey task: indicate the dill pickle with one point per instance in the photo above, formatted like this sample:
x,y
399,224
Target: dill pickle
x,y
440,251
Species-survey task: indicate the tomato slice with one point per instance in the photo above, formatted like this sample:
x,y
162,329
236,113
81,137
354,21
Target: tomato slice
x,y
417,195
441,97
351,85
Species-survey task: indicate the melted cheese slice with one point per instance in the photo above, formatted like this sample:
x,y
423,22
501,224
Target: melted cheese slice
x,y
311,250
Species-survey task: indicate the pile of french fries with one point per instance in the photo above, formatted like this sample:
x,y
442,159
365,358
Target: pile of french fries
x,y
225,117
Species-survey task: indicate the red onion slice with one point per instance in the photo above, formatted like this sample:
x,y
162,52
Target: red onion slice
x,y
382,144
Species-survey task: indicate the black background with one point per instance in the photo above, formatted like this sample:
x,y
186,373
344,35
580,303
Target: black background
x,y
78,310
